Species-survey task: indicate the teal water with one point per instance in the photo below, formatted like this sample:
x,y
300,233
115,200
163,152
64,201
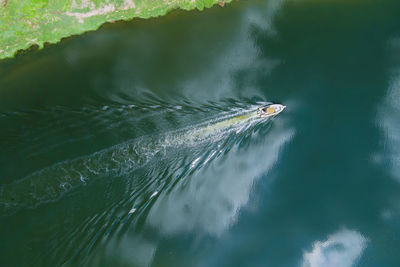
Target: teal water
x,y
117,148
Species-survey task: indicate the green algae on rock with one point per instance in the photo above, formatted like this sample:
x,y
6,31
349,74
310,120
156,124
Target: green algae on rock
x,y
34,22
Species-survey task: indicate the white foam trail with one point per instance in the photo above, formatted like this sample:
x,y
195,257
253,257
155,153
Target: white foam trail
x,y
132,210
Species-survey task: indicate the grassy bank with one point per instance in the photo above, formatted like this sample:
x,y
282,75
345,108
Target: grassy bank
x,y
24,23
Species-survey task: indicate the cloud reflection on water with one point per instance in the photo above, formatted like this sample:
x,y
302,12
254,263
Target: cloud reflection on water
x,y
210,201
241,55
342,248
389,120
206,202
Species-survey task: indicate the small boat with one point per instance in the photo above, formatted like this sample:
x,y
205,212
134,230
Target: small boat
x,y
270,110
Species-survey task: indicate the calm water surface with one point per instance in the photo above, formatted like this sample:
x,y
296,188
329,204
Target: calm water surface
x,y
112,152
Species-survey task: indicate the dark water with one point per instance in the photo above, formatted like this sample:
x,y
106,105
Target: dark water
x,y
104,159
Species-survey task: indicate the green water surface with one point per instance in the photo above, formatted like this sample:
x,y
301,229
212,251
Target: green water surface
x,y
109,154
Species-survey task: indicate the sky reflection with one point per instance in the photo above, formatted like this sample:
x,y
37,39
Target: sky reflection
x,y
389,119
209,203
342,248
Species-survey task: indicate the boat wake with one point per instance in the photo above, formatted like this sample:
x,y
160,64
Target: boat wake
x,y
51,183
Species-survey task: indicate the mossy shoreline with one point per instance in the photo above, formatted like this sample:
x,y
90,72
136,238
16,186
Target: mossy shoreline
x,y
24,23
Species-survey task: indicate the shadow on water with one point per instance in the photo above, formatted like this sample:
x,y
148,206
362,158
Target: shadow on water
x,y
106,66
